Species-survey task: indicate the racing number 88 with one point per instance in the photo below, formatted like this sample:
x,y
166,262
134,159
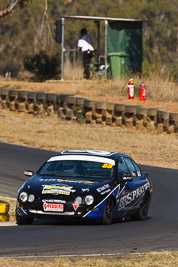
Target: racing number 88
x,y
108,166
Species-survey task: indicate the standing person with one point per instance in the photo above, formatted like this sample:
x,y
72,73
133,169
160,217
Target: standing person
x,y
85,45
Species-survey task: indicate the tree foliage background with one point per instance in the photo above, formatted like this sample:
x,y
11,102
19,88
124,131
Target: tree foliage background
x,y
28,30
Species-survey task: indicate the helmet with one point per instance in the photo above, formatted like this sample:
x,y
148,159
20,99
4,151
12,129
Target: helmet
x,y
69,167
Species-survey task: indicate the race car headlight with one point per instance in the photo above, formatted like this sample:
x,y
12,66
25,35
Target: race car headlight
x,y
89,199
31,198
23,196
78,200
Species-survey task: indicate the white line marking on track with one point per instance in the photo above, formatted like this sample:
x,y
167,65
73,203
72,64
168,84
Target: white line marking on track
x,y
82,255
8,224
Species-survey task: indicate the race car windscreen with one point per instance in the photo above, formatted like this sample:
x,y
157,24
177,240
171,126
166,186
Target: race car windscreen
x,y
100,168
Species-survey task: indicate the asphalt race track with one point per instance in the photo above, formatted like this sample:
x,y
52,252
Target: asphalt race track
x,y
50,238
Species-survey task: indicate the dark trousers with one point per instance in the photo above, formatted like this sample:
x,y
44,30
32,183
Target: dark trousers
x,y
86,64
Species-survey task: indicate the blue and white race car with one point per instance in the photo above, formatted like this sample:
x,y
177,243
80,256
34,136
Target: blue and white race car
x,y
85,184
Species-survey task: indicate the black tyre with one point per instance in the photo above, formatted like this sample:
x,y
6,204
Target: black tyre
x,y
143,210
173,116
22,94
89,104
51,97
119,108
130,109
40,96
109,106
4,92
152,112
71,100
20,220
31,95
163,115
108,212
13,93
63,98
141,111
79,100
100,105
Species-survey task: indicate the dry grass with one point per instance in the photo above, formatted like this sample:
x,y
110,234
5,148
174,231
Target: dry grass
x,y
154,259
157,88
73,73
159,94
53,134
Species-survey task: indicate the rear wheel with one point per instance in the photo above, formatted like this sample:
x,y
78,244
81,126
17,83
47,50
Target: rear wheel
x,y
21,220
108,212
143,210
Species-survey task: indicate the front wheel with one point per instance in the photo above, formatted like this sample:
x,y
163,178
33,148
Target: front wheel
x,y
108,212
143,210
21,220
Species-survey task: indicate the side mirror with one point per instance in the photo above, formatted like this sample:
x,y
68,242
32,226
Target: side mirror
x,y
127,178
28,173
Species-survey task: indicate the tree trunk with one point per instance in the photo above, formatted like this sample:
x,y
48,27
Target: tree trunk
x,y
8,9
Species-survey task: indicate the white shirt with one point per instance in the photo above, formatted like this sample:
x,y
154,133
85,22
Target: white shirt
x,y
85,43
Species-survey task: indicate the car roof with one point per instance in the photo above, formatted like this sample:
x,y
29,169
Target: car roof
x,y
98,153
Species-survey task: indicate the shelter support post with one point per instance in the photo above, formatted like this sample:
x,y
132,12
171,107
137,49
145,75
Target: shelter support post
x,y
98,40
106,47
62,52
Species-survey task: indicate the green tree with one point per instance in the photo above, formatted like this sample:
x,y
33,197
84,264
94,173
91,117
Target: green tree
x,y
26,31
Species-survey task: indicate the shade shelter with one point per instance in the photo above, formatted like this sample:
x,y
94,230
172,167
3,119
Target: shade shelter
x,y
121,35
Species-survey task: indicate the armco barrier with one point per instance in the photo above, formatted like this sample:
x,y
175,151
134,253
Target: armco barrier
x,y
69,107
4,209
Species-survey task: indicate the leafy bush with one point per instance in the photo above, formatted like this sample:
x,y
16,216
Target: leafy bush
x,y
43,66
9,66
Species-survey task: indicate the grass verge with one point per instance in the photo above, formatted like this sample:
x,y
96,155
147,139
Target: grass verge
x,y
53,134
153,259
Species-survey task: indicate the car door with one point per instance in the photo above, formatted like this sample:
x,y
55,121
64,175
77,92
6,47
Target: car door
x,y
132,186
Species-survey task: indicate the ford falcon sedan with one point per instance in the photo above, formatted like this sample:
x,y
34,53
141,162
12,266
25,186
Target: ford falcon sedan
x,y
85,184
